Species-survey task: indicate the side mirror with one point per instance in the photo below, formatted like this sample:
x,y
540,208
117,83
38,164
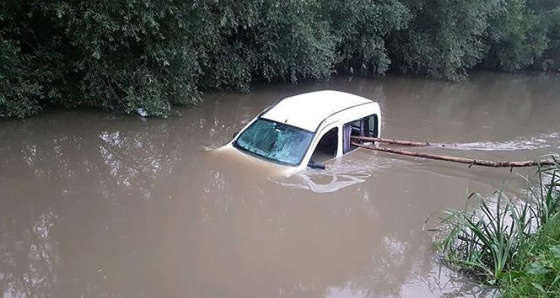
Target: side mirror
x,y
316,165
235,134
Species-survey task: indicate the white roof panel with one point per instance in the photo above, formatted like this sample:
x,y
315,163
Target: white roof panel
x,y
308,110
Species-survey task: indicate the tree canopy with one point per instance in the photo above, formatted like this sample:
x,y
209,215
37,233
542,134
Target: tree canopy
x,y
145,56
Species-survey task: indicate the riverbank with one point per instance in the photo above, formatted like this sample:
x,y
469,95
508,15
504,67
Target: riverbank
x,y
512,244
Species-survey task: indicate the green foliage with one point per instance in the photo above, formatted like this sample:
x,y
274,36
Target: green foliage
x,y
538,273
486,242
127,55
222,54
361,28
123,55
517,35
291,41
18,94
145,56
445,37
547,196
272,40
512,245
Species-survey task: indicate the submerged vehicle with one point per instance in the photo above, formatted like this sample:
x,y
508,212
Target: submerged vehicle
x,y
306,130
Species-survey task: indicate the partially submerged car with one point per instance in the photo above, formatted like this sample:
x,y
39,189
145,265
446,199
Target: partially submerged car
x,y
307,129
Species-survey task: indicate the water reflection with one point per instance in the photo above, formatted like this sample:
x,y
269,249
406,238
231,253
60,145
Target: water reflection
x,y
94,205
28,263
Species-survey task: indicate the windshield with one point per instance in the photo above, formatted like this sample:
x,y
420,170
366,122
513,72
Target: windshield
x,y
276,141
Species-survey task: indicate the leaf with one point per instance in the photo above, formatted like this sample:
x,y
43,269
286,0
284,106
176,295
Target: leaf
x,y
538,287
555,250
536,268
556,279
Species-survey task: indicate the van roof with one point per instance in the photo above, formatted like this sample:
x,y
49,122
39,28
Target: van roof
x,y
308,110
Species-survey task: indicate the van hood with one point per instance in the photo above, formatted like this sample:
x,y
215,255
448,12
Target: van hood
x,y
236,159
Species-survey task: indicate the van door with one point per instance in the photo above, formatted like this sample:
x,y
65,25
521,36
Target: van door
x,y
327,146
364,127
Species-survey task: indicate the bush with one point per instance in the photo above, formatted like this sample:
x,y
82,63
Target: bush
x,y
361,27
145,56
517,36
444,38
126,55
19,95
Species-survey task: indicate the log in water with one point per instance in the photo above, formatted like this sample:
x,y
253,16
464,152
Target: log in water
x,y
469,161
402,142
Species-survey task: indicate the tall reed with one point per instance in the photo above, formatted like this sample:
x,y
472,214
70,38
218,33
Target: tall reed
x,y
485,242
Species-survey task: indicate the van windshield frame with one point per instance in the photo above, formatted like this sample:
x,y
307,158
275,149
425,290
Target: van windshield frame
x,y
278,142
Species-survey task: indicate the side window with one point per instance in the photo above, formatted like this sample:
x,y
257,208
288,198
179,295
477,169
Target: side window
x,y
365,127
356,128
372,124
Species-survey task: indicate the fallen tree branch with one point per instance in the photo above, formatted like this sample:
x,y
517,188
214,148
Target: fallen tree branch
x,y
470,162
402,142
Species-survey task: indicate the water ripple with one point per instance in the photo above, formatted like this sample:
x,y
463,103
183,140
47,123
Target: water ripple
x,y
542,141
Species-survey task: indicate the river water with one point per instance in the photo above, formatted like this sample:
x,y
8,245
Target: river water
x,y
102,205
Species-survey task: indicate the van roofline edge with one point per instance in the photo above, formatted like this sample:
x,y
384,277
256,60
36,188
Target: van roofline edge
x,y
340,111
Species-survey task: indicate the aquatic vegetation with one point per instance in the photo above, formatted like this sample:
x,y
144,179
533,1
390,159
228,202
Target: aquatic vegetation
x,y
537,273
504,240
484,242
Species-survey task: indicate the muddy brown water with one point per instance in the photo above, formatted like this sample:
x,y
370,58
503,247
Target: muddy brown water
x,y
101,205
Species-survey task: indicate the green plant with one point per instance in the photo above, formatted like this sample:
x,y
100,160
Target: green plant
x,y
145,56
546,197
484,242
537,273
508,242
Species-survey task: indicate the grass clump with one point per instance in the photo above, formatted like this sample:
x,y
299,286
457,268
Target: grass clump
x,y
537,273
514,245
483,244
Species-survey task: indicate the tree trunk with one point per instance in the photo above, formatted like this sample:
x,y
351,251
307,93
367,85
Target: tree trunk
x,y
470,162
402,142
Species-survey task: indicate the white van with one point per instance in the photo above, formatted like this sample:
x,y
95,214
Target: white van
x,y
307,129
